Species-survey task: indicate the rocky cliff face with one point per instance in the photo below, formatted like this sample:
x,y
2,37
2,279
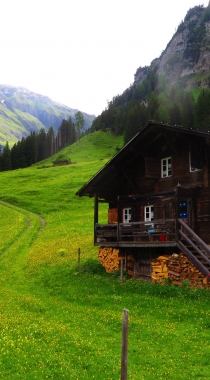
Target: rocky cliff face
x,y
186,58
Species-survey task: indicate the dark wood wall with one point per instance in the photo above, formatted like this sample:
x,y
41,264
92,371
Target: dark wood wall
x,y
181,174
142,181
203,213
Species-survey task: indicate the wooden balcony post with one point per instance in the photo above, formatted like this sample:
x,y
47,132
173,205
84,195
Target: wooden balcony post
x,y
118,218
176,219
95,214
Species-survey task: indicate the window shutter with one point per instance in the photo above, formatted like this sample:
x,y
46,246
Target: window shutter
x,y
112,215
159,211
152,167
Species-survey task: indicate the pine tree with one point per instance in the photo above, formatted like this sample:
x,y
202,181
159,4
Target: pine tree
x,y
79,122
0,158
202,111
162,114
188,109
41,145
133,123
14,157
6,158
50,142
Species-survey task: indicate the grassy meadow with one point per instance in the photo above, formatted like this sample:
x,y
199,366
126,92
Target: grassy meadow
x,y
60,323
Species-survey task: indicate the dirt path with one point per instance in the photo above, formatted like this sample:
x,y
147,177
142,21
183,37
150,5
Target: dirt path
x,y
27,215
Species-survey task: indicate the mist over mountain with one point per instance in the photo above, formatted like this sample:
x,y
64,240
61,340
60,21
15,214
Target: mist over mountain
x,y
23,111
174,89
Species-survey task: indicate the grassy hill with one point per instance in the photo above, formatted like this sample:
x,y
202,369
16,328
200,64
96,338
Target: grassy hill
x,y
60,323
16,124
23,111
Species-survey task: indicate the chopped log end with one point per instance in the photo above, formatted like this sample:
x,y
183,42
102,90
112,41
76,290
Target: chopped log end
x,y
178,269
111,258
181,269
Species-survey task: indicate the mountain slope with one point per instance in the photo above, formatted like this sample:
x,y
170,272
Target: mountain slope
x,y
186,59
23,111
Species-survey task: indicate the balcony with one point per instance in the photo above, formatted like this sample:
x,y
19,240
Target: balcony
x,y
161,232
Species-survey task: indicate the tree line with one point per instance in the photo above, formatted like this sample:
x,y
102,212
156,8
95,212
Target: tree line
x,y
40,145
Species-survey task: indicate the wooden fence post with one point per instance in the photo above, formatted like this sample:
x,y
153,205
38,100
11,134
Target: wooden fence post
x,y
78,259
124,357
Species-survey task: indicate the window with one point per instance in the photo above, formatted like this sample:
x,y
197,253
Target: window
x,y
149,213
166,167
194,161
127,215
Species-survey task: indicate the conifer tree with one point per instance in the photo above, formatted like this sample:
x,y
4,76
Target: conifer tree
x,y
0,158
202,111
79,122
133,123
6,158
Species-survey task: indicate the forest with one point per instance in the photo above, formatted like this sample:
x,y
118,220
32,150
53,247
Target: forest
x,y
39,146
154,99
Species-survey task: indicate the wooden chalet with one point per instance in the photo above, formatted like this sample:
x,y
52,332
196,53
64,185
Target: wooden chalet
x,y
158,193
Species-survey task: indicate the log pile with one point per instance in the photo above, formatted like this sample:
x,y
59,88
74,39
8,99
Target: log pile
x,y
181,269
110,258
160,269
176,268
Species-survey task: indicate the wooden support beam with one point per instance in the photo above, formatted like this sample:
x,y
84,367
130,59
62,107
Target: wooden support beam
x,y
131,182
205,176
120,168
95,214
153,140
119,216
170,144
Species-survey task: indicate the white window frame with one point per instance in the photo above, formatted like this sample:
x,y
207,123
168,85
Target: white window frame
x,y
127,215
166,167
149,214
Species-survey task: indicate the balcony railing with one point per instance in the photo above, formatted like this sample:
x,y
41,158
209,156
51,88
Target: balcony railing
x,y
160,231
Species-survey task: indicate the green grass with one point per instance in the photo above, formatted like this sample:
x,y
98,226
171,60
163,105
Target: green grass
x,y
60,323
17,224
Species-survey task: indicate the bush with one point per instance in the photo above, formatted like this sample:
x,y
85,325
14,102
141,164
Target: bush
x,y
92,266
61,160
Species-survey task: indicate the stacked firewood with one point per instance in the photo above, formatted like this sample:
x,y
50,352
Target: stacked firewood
x,y
111,258
160,269
181,269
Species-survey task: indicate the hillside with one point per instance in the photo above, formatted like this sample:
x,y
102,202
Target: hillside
x,y
62,322
23,111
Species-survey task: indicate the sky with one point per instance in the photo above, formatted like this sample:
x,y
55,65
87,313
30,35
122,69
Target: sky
x,y
82,53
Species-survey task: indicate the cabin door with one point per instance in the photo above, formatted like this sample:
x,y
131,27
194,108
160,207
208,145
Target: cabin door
x,y
143,265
